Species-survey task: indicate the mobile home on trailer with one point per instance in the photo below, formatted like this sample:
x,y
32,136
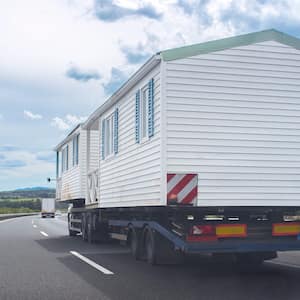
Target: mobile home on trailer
x,y
199,151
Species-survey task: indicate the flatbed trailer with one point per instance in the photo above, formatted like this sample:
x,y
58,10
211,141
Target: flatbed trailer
x,y
164,234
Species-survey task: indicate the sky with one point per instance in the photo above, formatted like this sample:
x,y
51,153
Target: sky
x,y
61,59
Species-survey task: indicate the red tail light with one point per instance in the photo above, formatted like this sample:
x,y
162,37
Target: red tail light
x,y
202,233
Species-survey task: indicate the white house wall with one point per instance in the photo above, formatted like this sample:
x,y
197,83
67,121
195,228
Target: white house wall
x,y
233,117
70,179
132,176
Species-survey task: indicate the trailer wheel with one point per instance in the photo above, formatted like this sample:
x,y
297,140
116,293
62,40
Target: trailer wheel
x,y
135,243
90,232
150,247
71,232
84,227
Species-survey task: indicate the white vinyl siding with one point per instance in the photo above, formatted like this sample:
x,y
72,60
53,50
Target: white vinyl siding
x,y
233,117
133,176
74,180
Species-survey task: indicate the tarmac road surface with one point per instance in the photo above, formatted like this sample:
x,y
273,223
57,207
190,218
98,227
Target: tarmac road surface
x,y
38,260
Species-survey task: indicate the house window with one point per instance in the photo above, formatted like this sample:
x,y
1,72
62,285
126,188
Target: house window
x,y
144,113
109,135
64,159
76,150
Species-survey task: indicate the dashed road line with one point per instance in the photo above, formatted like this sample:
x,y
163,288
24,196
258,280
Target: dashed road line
x,y
44,233
92,263
34,226
284,264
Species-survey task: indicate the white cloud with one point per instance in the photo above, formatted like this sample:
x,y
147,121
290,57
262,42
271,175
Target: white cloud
x,y
60,124
28,114
74,120
67,122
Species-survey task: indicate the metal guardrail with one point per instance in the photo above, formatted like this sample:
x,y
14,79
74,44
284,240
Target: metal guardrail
x,y
10,216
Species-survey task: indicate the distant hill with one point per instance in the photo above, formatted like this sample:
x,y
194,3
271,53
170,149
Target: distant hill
x,y
34,188
31,192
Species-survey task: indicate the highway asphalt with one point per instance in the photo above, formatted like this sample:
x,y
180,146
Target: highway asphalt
x,y
38,260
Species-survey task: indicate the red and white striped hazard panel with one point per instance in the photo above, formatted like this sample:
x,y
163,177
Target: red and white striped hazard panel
x,y
182,188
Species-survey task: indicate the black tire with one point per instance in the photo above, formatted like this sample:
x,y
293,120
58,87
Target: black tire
x,y
134,243
90,232
71,232
84,228
150,246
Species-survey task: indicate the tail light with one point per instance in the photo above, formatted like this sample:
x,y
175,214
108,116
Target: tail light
x,y
213,232
286,229
202,233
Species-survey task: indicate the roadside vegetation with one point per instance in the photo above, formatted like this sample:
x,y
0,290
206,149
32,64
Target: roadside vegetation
x,y
9,206
26,201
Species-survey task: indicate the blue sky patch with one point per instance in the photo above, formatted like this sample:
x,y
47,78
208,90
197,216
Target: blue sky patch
x,y
108,11
80,75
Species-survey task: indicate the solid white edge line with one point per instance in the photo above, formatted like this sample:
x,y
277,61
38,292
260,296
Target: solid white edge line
x,y
283,264
7,220
44,233
91,263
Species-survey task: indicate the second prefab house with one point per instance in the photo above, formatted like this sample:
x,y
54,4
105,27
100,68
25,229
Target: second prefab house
x,y
71,165
213,124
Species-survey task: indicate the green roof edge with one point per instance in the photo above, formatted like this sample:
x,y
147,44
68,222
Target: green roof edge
x,y
227,43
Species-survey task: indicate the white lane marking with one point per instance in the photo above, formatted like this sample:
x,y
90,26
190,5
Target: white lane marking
x,y
34,226
32,222
44,233
284,264
91,263
8,220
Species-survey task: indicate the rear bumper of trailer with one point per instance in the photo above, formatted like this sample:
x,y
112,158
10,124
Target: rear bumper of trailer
x,y
240,246
220,246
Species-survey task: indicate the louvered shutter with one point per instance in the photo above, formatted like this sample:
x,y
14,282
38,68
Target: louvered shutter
x,y
57,164
67,158
77,149
103,139
116,130
74,151
137,116
151,108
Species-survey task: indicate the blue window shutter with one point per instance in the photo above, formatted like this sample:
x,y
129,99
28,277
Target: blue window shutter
x,y
116,130
137,116
103,139
57,164
67,158
62,161
151,108
77,149
74,150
